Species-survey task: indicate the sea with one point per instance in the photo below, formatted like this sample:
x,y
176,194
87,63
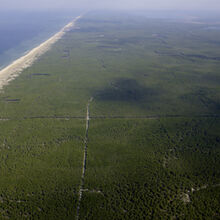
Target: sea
x,y
21,31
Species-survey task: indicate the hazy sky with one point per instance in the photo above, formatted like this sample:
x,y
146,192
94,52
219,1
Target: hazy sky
x,y
111,4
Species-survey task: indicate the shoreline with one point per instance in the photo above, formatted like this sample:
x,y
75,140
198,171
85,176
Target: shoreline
x,y
13,70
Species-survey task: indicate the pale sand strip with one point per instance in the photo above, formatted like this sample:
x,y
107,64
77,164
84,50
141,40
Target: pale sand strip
x,y
14,69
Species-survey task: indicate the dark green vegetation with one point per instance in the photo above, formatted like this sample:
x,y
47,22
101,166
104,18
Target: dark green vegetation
x,y
40,168
146,168
154,143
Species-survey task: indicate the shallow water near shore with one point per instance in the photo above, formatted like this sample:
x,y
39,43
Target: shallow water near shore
x,y
22,31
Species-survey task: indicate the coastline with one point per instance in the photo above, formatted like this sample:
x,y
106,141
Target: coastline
x,y
11,71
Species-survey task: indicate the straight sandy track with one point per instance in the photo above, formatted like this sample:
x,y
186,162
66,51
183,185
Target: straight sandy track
x,y
14,69
84,160
112,117
156,116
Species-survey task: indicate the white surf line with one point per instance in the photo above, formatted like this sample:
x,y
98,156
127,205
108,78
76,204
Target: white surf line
x,y
15,68
81,190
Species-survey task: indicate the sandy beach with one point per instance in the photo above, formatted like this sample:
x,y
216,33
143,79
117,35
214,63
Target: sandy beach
x,y
15,68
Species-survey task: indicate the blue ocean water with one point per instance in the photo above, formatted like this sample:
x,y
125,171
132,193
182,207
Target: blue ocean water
x,y
20,31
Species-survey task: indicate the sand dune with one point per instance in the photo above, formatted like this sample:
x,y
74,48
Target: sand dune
x,y
14,69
